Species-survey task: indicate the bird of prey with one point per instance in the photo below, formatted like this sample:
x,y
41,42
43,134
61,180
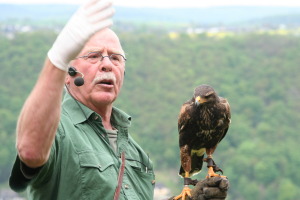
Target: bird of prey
x,y
202,123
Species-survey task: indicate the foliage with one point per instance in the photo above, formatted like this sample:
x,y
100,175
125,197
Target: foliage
x,y
257,73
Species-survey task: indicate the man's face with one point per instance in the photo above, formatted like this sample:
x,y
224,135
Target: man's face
x,y
102,79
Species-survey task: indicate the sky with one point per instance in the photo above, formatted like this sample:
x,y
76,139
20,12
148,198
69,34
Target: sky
x,y
174,3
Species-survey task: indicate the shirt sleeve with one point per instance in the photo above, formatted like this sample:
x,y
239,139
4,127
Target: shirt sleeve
x,y
29,172
21,175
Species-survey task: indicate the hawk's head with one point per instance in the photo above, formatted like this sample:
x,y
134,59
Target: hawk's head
x,y
205,94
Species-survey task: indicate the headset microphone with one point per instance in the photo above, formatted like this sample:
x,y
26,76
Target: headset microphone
x,y
79,81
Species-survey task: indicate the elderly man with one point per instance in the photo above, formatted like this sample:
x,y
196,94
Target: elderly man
x,y
81,148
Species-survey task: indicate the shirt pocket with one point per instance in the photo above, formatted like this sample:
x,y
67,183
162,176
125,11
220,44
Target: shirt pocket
x,y
97,171
143,179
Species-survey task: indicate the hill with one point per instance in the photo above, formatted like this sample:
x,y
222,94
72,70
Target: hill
x,y
257,73
205,16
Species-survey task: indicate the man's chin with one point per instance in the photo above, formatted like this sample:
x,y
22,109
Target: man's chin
x,y
105,97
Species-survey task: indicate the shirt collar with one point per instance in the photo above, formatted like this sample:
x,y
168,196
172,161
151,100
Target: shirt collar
x,y
120,118
79,113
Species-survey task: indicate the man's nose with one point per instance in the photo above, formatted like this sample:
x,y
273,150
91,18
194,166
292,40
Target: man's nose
x,y
106,64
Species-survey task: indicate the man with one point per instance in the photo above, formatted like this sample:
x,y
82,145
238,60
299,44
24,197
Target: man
x,y
80,149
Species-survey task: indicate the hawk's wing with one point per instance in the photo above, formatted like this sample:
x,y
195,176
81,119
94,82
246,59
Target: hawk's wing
x,y
191,159
227,114
227,107
184,117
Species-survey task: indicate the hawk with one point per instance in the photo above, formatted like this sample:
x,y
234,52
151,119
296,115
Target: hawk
x,y
202,123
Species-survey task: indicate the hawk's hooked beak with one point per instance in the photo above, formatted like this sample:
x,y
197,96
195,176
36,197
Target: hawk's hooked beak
x,y
199,100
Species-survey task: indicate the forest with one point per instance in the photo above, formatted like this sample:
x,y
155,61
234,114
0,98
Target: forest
x,y
258,74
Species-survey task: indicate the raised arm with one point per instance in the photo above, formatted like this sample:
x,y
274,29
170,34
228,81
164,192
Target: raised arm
x,y
40,114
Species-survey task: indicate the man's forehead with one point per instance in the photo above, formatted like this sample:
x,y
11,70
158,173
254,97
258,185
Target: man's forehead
x,y
105,40
106,35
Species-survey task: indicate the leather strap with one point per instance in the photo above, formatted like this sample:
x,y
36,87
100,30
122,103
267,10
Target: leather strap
x,y
120,177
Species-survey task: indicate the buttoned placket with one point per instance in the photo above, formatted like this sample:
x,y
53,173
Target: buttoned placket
x,y
98,122
127,188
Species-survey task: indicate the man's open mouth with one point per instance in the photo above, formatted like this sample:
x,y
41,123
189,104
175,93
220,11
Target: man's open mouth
x,y
106,79
106,82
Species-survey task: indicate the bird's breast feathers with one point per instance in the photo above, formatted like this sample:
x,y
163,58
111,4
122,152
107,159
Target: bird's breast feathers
x,y
211,122
210,117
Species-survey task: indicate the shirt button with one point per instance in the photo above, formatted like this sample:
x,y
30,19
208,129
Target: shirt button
x,y
126,186
96,117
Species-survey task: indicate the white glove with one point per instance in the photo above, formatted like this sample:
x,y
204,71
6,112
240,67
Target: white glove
x,y
90,18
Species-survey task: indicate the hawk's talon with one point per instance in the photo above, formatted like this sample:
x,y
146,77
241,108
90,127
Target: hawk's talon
x,y
185,192
212,168
211,163
211,173
217,169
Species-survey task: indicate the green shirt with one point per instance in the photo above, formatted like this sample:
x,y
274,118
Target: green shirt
x,y
83,165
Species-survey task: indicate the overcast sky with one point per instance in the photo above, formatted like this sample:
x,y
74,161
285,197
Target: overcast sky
x,y
174,3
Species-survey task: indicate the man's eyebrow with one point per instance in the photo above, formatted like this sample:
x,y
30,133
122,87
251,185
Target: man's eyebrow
x,y
115,51
110,51
95,50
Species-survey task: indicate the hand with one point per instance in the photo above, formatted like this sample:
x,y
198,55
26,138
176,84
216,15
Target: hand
x,y
212,188
90,18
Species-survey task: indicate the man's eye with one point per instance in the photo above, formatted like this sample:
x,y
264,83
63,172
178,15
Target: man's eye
x,y
115,57
94,55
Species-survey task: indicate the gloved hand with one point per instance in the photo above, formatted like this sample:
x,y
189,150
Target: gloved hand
x,y
90,18
213,188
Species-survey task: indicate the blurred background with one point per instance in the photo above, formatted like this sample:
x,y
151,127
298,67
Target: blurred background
x,y
249,52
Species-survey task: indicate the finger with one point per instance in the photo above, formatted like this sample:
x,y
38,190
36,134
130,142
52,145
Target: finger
x,y
214,192
106,14
97,8
200,185
90,4
104,24
214,181
224,184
